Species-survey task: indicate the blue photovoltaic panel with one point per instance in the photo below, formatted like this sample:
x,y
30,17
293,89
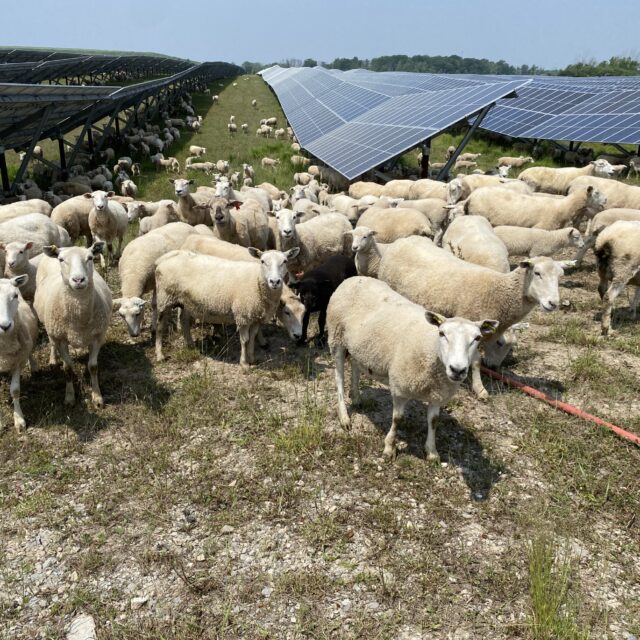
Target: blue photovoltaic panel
x,y
356,120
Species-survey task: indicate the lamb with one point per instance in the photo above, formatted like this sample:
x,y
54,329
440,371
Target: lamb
x,y
469,157
196,126
222,166
300,161
558,180
165,214
618,261
272,122
233,128
225,190
619,195
391,224
245,127
360,189
139,209
246,224
168,163
205,167
254,103
279,133
420,354
465,164
137,268
269,162
193,208
601,221
73,303
248,171
461,188
197,151
522,241
18,335
302,179
215,99
129,188
434,278
368,252
316,287
22,207
18,263
295,147
510,161
472,239
241,293
426,188
503,207
107,221
318,239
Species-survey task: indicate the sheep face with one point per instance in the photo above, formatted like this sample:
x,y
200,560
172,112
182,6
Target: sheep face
x,y
223,189
100,199
575,238
603,169
596,200
290,313
273,265
76,264
297,193
17,254
9,301
287,222
181,186
362,239
454,191
503,172
499,346
541,283
131,310
458,342
133,210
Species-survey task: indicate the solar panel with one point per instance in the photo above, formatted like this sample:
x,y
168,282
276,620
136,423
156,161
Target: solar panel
x,y
356,120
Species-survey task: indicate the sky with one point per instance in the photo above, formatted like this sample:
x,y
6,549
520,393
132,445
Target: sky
x,y
548,33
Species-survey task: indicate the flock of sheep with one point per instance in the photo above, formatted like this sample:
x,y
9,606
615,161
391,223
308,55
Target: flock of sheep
x,y
413,277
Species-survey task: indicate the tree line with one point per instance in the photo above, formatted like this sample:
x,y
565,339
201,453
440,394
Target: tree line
x,y
615,66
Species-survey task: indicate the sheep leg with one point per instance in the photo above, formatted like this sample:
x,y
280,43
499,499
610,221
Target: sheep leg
x,y
67,365
432,453
33,363
244,344
96,395
609,298
339,354
154,313
53,355
580,253
476,379
18,417
262,341
634,303
399,403
305,326
355,384
161,329
322,321
185,322
253,330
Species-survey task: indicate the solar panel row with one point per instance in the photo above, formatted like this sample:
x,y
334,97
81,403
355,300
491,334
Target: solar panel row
x,y
356,120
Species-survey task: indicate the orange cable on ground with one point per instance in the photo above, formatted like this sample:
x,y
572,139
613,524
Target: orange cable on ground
x,y
558,404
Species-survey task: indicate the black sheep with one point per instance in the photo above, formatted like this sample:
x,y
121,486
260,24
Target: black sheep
x,y
316,287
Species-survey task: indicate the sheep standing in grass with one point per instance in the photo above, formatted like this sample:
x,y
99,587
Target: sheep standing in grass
x,y
248,171
245,224
420,354
18,334
510,161
108,222
209,288
523,241
165,214
269,162
73,303
552,180
197,151
245,127
254,103
437,280
129,188
618,258
619,195
233,128
193,208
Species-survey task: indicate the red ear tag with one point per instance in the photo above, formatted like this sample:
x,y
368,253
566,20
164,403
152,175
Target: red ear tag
x,y
236,204
299,275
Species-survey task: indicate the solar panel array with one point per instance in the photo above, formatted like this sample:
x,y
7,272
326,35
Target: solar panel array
x,y
573,109
356,120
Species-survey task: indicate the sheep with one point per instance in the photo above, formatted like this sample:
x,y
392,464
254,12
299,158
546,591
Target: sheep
x,y
619,195
248,171
510,161
205,167
272,122
269,162
138,209
70,188
137,267
634,165
391,224
18,262
450,151
302,178
215,99
233,128
254,103
397,189
107,221
318,238
246,224
22,207
316,287
225,190
197,151
272,190
503,207
245,127
300,161
465,164
618,262
472,239
234,178
129,188
469,157
294,146
193,208
165,214
196,126
461,188
426,188
18,335
523,241
434,209
558,180
247,182
232,119
73,215
73,303
368,252
279,133
168,163
436,279
359,189
241,293
420,354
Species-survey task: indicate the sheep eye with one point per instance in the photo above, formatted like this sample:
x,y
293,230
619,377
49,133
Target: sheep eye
x,y
500,343
538,274
89,258
285,261
477,338
441,334
61,259
287,313
15,295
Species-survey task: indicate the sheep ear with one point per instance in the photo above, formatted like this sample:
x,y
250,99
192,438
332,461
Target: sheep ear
x,y
172,181
115,304
434,318
51,251
589,190
87,195
256,253
20,281
236,204
373,232
110,194
488,327
28,245
292,253
526,264
294,285
97,247
190,181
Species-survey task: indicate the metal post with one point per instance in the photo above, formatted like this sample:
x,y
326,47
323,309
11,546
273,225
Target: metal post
x,y
63,158
444,172
117,125
34,141
90,139
3,172
424,164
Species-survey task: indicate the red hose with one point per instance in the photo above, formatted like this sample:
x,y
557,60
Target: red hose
x,y
558,404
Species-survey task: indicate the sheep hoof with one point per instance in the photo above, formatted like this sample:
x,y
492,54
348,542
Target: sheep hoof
x,y
389,453
98,401
69,399
345,422
433,457
19,423
483,394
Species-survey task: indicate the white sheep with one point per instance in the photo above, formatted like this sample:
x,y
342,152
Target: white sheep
x,y
197,151
165,214
437,280
391,224
242,293
129,188
245,127
300,161
18,335
18,262
420,354
426,188
511,161
269,162
461,188
73,303
248,171
233,128
22,207
193,208
469,157
107,221
139,209
472,239
245,224
617,252
360,189
368,252
619,195
523,241
558,181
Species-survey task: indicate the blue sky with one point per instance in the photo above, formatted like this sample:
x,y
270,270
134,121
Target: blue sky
x,y
548,33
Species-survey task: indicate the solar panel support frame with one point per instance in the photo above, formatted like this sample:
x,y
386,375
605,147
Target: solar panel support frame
x,y
426,154
29,154
4,173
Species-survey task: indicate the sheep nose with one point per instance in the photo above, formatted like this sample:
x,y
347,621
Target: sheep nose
x,y
78,279
5,326
274,283
458,373
552,305
12,263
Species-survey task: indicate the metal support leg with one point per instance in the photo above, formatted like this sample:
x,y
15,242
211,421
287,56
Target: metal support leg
x,y
27,158
90,139
424,165
63,157
3,172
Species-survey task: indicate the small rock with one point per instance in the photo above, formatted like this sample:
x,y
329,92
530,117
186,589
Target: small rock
x,y
82,627
227,529
267,591
346,604
373,606
139,601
